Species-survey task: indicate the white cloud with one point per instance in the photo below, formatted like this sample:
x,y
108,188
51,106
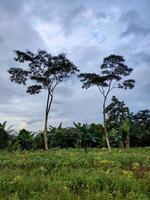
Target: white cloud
x,y
22,125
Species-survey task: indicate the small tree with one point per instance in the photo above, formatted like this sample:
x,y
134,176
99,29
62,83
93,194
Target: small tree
x,y
46,72
5,135
117,112
113,71
118,115
141,128
25,138
126,130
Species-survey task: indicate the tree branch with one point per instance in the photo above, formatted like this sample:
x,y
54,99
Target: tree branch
x,y
101,90
52,89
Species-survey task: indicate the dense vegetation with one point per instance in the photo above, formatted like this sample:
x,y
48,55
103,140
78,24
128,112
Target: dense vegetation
x,y
135,130
73,174
125,129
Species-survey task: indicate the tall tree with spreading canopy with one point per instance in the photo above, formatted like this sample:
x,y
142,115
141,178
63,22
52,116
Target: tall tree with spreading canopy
x,y
112,75
43,72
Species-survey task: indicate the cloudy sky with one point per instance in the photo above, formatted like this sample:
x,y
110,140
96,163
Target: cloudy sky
x,y
88,31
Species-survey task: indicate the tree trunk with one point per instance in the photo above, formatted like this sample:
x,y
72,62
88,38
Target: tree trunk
x,y
127,142
48,106
106,137
45,133
121,145
105,128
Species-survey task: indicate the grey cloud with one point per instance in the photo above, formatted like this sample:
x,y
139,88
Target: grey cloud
x,y
75,17
8,90
15,33
131,16
57,102
136,30
65,91
138,97
101,15
10,9
134,24
68,14
89,56
71,18
16,30
141,57
52,10
19,34
34,121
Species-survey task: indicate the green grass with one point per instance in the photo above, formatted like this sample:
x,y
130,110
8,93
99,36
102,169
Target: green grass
x,y
72,174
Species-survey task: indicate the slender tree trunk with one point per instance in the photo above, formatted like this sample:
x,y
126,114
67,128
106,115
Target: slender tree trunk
x,y
105,128
127,142
45,133
48,106
121,145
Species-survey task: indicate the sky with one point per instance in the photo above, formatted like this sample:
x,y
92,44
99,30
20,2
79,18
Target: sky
x,y
87,31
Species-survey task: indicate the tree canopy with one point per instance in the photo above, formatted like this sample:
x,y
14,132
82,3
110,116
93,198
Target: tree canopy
x,y
43,69
113,69
43,72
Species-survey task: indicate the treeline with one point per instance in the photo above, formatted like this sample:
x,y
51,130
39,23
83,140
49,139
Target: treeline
x,y
132,131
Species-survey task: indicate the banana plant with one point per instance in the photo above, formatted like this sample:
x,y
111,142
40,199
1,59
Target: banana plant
x,y
126,129
85,137
116,137
4,134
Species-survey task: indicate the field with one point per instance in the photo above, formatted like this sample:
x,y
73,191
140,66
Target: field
x,y
73,174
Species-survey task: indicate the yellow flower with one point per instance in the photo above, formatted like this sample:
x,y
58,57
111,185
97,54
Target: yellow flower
x,y
17,179
106,162
65,188
127,173
135,165
43,170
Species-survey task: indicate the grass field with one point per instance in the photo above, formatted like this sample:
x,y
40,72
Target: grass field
x,y
73,174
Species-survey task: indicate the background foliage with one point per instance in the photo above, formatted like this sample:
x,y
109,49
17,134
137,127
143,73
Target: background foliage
x,y
81,135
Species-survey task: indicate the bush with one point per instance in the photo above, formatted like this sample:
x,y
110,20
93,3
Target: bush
x,y
25,139
62,137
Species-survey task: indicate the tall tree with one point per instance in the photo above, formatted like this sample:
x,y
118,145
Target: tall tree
x,y
43,72
113,72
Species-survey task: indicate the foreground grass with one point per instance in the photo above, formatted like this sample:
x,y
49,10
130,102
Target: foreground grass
x,y
75,175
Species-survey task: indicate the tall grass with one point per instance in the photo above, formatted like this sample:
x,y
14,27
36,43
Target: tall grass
x,y
73,174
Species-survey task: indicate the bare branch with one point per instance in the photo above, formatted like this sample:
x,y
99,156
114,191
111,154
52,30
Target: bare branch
x,y
101,90
52,89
